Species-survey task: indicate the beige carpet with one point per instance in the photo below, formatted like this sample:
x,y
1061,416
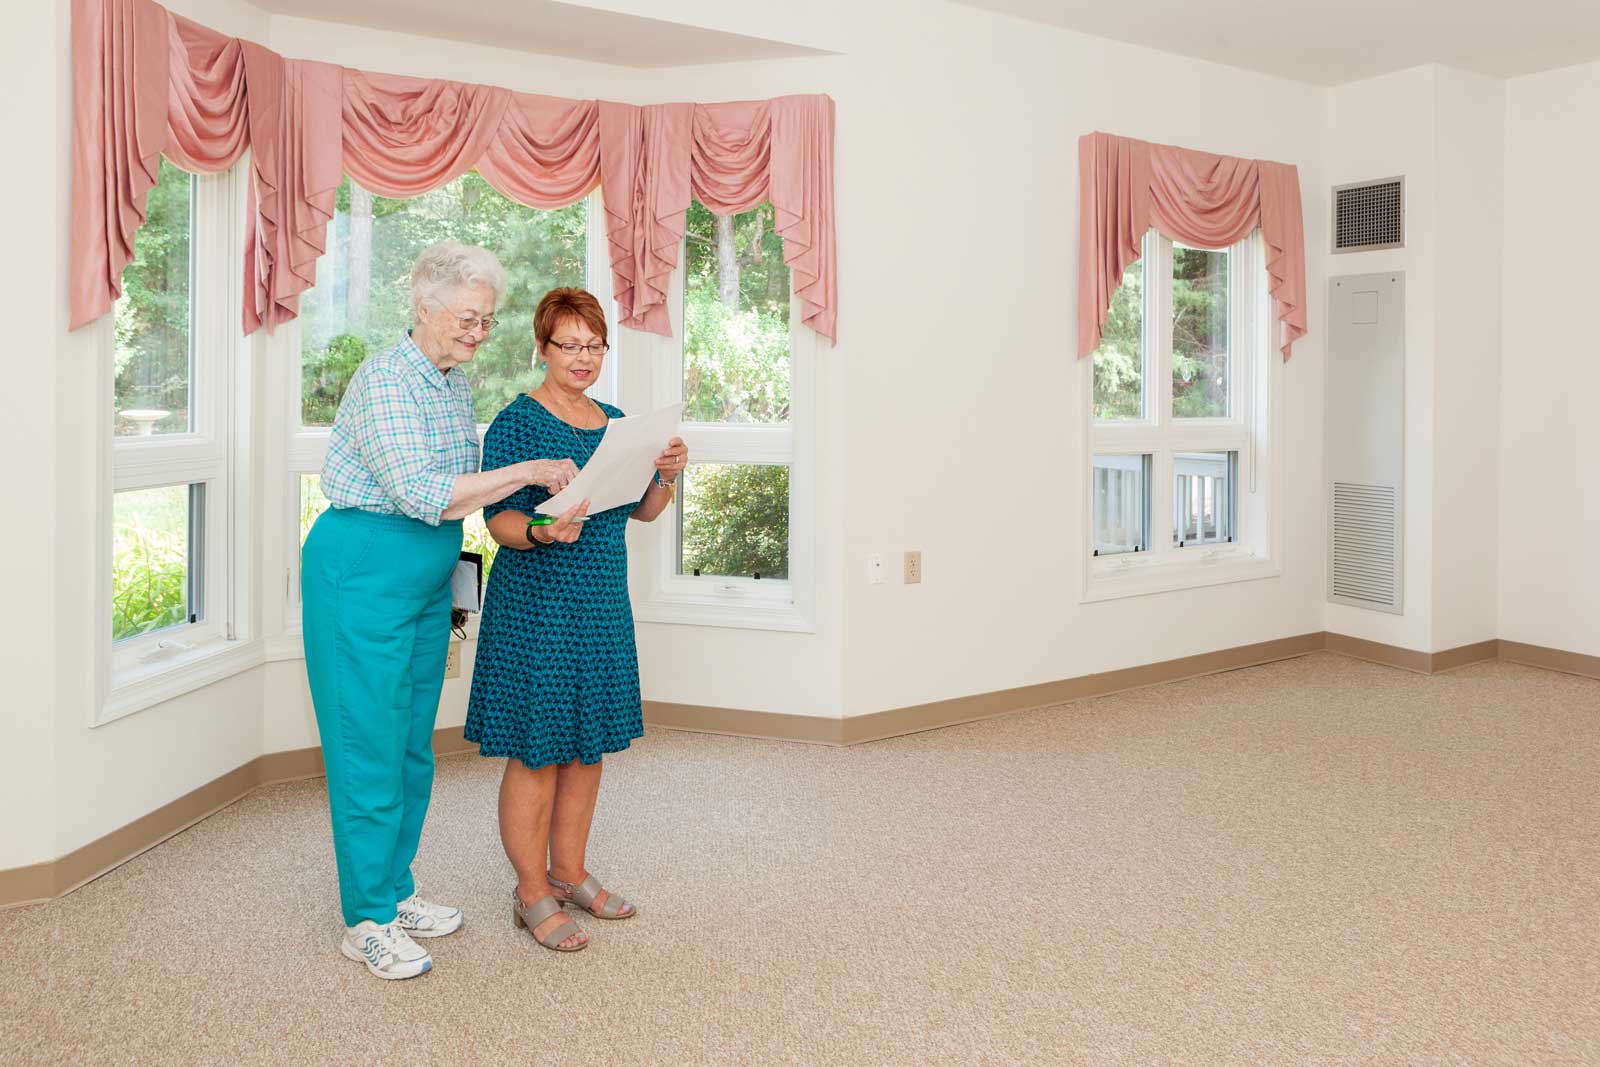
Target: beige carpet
x,y
1316,862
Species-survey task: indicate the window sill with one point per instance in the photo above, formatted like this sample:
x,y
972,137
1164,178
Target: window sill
x,y
149,684
728,612
1109,580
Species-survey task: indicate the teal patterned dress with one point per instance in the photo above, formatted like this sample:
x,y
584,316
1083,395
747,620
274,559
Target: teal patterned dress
x,y
556,676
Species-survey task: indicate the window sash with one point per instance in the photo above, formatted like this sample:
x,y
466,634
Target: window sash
x,y
1164,436
205,458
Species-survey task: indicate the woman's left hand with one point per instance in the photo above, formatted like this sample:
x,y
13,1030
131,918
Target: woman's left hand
x,y
673,459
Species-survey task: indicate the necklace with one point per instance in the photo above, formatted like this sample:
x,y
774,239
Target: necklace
x,y
572,431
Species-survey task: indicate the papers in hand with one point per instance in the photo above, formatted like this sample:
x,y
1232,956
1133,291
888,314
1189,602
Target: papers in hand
x,y
623,464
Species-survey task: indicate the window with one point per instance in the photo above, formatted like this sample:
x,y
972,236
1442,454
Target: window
x,y
173,591
362,300
361,305
1179,389
731,554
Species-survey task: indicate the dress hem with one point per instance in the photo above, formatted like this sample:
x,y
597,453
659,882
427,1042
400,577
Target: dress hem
x,y
505,753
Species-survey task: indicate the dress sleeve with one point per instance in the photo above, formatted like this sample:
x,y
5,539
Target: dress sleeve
x,y
396,447
508,440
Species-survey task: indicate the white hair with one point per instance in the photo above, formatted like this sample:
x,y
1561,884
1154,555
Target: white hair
x,y
449,266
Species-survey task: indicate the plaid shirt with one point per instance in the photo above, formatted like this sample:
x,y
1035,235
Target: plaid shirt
x,y
403,433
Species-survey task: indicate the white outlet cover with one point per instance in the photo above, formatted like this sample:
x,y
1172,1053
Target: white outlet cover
x,y
875,569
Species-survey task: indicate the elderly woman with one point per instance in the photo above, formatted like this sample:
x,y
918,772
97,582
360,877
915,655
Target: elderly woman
x,y
375,582
555,685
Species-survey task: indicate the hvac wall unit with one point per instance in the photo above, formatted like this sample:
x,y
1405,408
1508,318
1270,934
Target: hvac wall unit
x,y
1366,439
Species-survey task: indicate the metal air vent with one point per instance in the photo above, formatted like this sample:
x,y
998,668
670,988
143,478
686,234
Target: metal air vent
x,y
1369,215
1366,545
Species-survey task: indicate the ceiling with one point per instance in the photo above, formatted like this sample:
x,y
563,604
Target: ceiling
x,y
1327,43
548,28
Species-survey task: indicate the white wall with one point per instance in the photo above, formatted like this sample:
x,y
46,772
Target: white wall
x,y
1549,572
1466,382
1443,130
1380,128
35,287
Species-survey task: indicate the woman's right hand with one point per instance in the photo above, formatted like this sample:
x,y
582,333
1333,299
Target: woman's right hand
x,y
567,528
553,474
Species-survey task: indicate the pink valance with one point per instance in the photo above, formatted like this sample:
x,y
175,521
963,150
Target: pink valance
x,y
148,83
1127,186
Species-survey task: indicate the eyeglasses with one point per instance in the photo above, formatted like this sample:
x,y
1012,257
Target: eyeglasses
x,y
572,348
467,325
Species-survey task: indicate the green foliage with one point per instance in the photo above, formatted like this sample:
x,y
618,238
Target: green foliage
x,y
539,249
1117,362
149,561
1199,340
736,520
736,363
735,354
152,316
1199,333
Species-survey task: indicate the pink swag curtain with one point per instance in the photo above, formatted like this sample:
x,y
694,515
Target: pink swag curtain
x,y
1126,186
148,83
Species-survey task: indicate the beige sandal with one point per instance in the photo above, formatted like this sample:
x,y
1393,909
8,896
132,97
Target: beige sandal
x,y
528,917
584,894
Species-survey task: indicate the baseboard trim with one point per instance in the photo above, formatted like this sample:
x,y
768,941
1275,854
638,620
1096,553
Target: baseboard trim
x,y
1409,659
42,881
1551,659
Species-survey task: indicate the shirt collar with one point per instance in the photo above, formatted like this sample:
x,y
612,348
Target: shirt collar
x,y
421,363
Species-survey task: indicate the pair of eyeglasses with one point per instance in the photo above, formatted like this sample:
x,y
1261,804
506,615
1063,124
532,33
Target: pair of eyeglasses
x,y
488,322
572,348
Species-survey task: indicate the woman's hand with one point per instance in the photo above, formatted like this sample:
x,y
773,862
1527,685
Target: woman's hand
x,y
673,459
568,527
553,474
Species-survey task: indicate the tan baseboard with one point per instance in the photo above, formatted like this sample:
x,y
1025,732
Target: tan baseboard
x,y
41,881
1551,659
1409,659
897,721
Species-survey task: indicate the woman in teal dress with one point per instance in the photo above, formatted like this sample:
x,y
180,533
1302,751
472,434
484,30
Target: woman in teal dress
x,y
555,685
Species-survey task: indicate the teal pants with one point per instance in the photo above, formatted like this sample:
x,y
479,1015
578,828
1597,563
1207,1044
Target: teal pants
x,y
376,596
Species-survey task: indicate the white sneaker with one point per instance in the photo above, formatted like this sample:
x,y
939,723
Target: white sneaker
x,y
420,919
388,951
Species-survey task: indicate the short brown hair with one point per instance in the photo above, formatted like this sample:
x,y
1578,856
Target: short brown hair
x,y
565,303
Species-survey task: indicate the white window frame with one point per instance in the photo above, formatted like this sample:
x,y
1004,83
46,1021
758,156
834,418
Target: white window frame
x,y
307,446
142,671
1253,400
660,593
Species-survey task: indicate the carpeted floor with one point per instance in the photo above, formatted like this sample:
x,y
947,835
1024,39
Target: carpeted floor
x,y
1316,862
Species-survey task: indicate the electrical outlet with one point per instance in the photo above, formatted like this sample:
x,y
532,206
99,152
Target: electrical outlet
x,y
875,569
452,660
913,573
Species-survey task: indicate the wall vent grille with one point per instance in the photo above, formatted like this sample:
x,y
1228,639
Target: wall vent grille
x,y
1366,545
1369,215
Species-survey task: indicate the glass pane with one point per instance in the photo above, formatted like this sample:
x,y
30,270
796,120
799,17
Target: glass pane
x,y
475,535
362,299
1199,333
1121,504
152,555
734,520
152,315
312,503
1119,361
1202,497
736,318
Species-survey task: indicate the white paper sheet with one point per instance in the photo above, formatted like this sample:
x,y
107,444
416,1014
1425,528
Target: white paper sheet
x,y
622,466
